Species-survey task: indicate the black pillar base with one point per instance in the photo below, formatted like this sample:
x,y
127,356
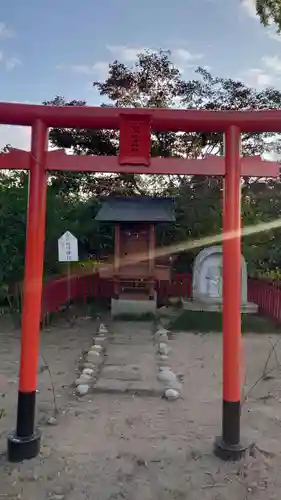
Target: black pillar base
x,y
229,452
23,448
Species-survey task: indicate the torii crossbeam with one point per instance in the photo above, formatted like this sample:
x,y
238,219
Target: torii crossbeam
x,y
251,166
135,143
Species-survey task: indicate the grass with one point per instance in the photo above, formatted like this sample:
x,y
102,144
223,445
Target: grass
x,y
135,317
205,322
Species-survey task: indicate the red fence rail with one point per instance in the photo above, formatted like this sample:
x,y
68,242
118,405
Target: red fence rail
x,y
57,292
268,297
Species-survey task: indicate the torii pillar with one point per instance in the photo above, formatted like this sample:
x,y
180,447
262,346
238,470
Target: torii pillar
x,y
229,446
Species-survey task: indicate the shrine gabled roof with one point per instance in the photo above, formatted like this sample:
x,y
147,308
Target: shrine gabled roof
x,y
136,209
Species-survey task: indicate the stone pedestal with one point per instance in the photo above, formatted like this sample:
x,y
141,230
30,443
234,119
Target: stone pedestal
x,y
195,305
131,307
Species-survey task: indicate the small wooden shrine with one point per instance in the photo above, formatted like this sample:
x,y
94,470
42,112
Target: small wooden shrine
x,y
135,269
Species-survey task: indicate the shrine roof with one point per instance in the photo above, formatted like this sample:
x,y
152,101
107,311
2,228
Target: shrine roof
x,y
136,209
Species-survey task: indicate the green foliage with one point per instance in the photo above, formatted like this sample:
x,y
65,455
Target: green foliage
x,y
269,12
207,322
136,317
13,201
271,275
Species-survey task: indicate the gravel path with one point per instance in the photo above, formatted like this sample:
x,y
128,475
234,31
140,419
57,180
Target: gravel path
x,y
130,364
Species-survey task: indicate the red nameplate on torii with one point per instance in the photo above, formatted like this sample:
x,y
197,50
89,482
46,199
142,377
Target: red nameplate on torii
x,y
135,140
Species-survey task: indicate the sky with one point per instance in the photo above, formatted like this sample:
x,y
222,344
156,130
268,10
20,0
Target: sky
x,y
58,47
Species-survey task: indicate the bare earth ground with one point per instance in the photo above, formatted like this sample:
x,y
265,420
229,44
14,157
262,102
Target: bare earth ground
x,y
109,447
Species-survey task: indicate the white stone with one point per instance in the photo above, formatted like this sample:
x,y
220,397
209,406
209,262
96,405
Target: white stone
x,y
162,335
97,348
161,331
163,357
172,394
92,366
163,349
166,375
82,389
101,341
102,328
52,421
173,384
83,379
88,372
170,379
93,356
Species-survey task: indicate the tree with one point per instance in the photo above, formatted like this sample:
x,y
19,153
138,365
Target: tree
x,y
269,11
155,82
13,199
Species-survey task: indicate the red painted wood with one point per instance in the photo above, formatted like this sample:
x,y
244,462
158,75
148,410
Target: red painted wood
x,y
232,267
34,260
134,140
173,120
252,166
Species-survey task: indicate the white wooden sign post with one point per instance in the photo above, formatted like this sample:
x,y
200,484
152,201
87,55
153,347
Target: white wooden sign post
x,y
68,252
68,248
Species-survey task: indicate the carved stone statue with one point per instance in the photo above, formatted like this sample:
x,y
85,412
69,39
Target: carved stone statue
x,y
214,282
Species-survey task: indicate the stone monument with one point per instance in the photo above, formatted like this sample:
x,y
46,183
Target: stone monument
x,y
207,283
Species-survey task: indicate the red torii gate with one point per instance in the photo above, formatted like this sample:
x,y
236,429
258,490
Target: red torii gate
x,y
135,127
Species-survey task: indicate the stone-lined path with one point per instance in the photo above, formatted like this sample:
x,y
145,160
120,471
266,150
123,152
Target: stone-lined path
x,y
129,357
130,361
